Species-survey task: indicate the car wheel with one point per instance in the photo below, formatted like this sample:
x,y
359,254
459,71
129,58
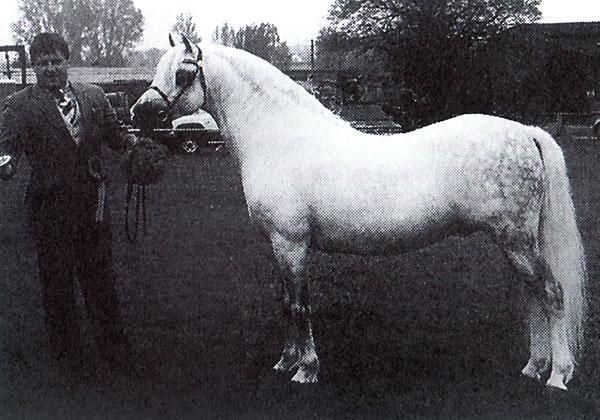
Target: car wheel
x,y
189,146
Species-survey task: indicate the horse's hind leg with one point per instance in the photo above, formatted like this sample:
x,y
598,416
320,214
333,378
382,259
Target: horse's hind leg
x,y
548,337
563,364
299,348
550,311
539,338
525,258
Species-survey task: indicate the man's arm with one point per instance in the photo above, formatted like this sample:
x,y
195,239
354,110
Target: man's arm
x,y
11,131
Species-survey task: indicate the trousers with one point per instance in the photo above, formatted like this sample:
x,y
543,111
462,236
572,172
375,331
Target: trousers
x,y
80,253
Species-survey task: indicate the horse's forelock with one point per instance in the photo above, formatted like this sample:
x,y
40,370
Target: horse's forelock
x,y
168,66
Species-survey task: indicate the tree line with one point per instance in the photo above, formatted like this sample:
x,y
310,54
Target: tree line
x,y
106,32
432,48
100,32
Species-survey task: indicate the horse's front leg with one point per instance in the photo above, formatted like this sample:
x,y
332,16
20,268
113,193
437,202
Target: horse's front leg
x,y
299,348
289,356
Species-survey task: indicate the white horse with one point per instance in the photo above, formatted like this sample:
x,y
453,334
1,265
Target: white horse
x,y
311,181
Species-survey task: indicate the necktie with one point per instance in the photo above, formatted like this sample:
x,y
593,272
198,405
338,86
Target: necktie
x,y
67,106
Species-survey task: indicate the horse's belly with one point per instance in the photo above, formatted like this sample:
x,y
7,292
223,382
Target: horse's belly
x,y
379,210
382,236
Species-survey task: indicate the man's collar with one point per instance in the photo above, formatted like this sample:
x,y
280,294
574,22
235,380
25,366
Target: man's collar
x,y
68,88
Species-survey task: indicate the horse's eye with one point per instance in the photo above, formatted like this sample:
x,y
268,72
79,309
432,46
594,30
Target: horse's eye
x,y
184,78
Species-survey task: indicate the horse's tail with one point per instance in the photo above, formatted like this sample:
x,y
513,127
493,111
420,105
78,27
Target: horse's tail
x,y
560,240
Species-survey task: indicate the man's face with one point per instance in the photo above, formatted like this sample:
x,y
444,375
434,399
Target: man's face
x,y
51,70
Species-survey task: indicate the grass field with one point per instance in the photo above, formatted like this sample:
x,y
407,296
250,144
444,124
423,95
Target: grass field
x,y
436,333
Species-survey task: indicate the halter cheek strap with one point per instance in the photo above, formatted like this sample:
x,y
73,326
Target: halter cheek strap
x,y
199,70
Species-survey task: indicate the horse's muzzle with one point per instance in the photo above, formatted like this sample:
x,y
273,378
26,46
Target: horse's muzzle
x,y
148,115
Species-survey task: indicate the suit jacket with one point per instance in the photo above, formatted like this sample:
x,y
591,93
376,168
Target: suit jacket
x,y
64,182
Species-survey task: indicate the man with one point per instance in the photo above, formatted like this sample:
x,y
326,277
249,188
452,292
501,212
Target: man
x,y
60,126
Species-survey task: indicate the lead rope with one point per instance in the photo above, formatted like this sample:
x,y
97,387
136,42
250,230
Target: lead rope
x,y
140,210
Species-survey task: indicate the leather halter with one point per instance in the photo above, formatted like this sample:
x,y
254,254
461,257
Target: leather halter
x,y
198,73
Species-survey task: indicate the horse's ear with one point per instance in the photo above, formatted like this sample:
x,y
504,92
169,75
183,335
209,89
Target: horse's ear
x,y
186,42
171,42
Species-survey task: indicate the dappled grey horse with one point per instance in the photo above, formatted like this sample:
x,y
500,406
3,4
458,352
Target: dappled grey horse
x,y
311,181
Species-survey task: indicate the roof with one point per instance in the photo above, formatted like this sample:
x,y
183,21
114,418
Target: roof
x,y
575,29
363,112
575,36
103,75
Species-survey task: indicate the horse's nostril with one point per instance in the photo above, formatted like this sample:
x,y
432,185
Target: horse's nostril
x,y
163,115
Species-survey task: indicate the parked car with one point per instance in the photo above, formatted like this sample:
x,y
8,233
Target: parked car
x,y
190,134
193,132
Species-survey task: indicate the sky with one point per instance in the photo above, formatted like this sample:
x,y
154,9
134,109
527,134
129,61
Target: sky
x,y
298,21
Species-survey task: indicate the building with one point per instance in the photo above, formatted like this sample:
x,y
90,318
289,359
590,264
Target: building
x,y
541,68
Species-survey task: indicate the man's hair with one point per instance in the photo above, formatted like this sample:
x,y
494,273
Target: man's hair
x,y
48,43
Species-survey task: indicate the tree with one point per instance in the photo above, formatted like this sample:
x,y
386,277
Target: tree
x,y
117,27
145,58
184,25
98,31
462,18
262,40
67,17
427,45
224,35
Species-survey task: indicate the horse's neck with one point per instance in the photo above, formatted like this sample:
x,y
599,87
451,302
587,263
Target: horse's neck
x,y
257,123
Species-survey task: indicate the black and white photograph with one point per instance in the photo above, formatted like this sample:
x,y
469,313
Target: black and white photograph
x,y
282,209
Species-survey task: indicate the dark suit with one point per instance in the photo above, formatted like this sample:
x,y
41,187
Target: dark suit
x,y
63,199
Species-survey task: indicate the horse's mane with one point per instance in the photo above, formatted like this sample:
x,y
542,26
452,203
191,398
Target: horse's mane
x,y
271,82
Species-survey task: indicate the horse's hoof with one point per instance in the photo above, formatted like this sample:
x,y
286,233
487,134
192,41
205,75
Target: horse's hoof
x,y
283,367
304,377
532,375
535,369
557,384
560,376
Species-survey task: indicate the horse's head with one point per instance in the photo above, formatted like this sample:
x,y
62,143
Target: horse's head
x,y
178,87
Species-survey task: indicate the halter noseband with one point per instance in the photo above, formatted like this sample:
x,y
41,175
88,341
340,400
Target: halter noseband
x,y
197,74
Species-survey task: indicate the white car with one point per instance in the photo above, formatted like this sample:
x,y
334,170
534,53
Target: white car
x,y
191,132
